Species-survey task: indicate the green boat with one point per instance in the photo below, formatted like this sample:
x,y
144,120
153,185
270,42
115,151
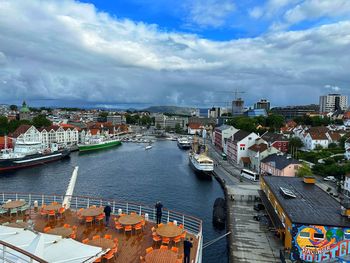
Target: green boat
x,y
98,144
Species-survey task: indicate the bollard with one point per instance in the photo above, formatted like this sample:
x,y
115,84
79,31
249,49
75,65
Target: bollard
x,y
36,206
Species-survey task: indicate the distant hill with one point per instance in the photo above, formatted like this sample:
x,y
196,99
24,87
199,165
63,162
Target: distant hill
x,y
170,109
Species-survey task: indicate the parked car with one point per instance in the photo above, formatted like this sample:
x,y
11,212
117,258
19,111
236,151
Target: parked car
x,y
259,207
330,178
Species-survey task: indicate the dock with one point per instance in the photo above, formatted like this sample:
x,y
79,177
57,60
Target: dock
x,y
250,241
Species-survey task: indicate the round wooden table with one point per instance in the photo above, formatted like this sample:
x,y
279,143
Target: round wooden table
x,y
130,219
14,204
103,243
161,256
92,211
18,224
61,231
54,207
170,231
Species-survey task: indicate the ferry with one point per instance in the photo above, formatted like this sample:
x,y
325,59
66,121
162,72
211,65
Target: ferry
x,y
29,233
27,154
98,143
201,164
183,143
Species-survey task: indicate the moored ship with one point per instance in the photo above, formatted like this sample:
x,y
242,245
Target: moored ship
x,y
26,154
183,143
201,164
97,144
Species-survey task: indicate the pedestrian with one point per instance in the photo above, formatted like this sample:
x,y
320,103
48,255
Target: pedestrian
x,y
107,210
188,244
159,207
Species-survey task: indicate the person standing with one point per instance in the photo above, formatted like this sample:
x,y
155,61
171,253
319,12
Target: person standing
x,y
187,250
107,211
159,207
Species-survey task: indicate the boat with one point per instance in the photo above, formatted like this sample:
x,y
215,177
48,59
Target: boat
x,y
219,212
148,147
183,143
27,154
98,143
201,164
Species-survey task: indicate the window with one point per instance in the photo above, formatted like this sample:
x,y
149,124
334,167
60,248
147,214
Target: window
x,y
242,148
304,234
318,235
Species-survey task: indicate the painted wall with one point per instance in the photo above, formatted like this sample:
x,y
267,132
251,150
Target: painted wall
x,y
313,243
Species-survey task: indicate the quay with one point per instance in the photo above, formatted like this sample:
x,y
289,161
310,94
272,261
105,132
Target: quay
x,y
249,241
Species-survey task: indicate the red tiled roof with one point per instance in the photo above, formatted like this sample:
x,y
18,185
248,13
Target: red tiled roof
x,y
194,125
258,147
20,130
94,131
318,136
335,136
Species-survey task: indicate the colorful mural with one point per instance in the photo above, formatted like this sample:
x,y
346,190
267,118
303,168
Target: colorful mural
x,y
318,243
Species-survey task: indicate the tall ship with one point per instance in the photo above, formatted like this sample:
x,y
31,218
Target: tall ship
x,y
183,143
97,143
26,154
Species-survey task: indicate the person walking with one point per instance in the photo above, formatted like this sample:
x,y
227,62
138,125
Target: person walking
x,y
187,250
107,210
159,207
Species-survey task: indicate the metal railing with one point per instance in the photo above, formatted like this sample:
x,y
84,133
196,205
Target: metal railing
x,y
10,253
191,224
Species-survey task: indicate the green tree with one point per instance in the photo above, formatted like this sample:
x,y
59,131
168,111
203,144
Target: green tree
x,y
158,127
41,121
13,107
167,129
342,141
295,143
275,122
243,123
103,114
178,128
226,114
332,145
3,125
304,170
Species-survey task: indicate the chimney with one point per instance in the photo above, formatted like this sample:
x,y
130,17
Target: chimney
x,y
309,180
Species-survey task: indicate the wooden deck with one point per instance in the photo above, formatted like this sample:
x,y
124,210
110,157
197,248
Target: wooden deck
x,y
130,247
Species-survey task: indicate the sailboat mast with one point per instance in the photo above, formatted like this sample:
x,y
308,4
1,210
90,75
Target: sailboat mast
x,y
5,142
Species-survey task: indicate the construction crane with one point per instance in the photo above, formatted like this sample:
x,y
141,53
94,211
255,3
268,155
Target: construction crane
x,y
236,92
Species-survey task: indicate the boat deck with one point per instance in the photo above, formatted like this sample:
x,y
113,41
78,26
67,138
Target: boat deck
x,y
130,247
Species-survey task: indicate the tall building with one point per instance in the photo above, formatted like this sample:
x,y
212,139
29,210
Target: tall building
x,y
237,107
214,112
333,102
262,104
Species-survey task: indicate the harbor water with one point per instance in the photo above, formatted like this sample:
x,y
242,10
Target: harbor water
x,y
131,173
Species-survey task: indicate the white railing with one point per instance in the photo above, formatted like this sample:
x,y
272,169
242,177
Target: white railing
x,y
10,254
191,224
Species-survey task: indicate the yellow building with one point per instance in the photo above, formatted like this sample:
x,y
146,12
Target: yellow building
x,y
313,225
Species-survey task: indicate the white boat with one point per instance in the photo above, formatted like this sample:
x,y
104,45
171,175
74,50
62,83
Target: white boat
x,y
183,143
148,147
201,163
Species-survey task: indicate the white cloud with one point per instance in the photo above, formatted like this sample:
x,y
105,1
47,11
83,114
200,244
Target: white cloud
x,y
69,51
333,88
256,12
209,13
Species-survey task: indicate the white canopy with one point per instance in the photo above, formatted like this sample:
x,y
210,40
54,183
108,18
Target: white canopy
x,y
51,248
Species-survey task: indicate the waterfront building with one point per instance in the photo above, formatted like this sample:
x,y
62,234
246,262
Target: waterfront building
x,y
26,133
237,107
291,112
313,226
258,152
279,165
221,135
262,104
164,121
237,147
277,140
333,102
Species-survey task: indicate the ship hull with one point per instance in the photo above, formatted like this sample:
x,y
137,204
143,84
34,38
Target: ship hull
x,y
32,160
184,146
199,172
94,147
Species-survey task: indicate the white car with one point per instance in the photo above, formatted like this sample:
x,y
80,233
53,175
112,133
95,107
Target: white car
x,y
330,178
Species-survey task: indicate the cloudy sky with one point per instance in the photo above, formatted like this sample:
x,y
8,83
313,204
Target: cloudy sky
x,y
179,52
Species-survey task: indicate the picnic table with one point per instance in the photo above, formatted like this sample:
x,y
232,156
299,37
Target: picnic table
x,y
130,219
169,230
92,211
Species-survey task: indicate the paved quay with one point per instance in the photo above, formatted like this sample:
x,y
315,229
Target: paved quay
x,y
250,241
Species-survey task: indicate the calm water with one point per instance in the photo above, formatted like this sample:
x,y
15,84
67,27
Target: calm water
x,y
131,173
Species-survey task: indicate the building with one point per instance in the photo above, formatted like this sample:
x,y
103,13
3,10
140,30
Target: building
x,y
2,142
24,113
214,112
346,186
258,152
251,113
279,141
312,140
347,149
333,102
194,128
262,104
162,121
115,119
221,135
291,112
237,107
313,226
237,147
279,165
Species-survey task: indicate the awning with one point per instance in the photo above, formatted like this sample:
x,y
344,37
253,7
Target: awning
x,y
271,211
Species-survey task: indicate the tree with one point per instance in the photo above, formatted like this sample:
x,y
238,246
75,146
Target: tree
x,y
243,123
275,122
342,141
178,128
304,170
3,125
13,107
41,121
167,129
103,114
295,143
158,127
226,114
332,145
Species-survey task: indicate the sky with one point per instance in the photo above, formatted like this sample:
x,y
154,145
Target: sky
x,y
138,53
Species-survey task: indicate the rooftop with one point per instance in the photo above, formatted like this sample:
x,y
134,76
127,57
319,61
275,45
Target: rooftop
x,y
311,205
279,161
240,135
